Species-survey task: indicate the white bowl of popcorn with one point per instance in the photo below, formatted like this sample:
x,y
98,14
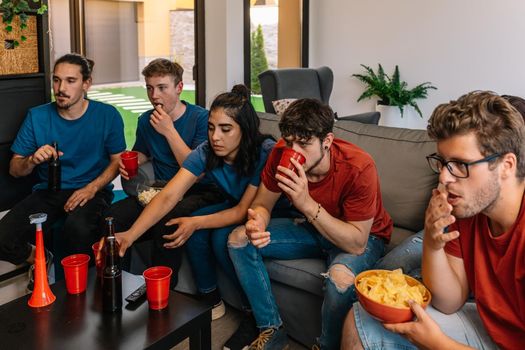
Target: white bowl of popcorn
x,y
146,193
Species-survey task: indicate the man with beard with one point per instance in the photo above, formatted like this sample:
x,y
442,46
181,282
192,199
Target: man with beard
x,y
344,221
474,241
90,138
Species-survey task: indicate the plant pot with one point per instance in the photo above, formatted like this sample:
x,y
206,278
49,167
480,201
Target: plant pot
x,y
391,116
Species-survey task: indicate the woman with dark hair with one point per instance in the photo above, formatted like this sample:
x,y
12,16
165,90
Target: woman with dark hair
x,y
233,158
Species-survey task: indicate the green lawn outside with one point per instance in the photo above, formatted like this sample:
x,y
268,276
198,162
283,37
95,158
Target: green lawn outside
x,y
130,118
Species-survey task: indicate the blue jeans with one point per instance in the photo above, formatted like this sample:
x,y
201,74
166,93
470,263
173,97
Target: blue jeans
x,y
464,326
406,255
296,240
207,247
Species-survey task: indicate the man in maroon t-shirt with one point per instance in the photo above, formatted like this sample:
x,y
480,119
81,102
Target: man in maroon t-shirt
x,y
337,191
480,160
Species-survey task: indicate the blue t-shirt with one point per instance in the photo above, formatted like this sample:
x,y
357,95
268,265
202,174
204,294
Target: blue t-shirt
x,y
192,127
87,142
225,176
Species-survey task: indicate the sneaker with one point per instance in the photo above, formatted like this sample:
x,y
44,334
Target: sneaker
x,y
218,310
214,298
31,272
245,334
271,339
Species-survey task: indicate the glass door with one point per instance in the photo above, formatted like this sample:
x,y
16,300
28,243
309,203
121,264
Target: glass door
x,y
123,36
275,36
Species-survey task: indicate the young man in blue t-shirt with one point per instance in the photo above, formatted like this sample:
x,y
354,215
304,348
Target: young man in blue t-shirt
x,y
90,138
166,134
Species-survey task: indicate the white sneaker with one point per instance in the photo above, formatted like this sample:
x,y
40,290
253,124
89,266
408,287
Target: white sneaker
x,y
218,311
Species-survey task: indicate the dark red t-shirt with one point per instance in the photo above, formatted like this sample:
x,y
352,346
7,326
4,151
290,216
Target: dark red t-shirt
x,y
495,268
349,192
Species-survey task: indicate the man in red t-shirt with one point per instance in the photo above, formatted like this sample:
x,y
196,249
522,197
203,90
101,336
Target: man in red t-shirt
x,y
481,162
337,191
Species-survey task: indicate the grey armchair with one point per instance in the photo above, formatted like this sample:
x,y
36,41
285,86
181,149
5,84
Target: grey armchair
x,y
277,84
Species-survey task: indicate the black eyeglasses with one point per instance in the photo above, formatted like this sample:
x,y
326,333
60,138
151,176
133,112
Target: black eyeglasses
x,y
456,167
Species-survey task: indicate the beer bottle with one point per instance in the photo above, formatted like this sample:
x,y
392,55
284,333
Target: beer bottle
x,y
54,171
111,274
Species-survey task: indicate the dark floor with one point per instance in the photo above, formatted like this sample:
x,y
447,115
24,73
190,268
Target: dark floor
x,y
224,327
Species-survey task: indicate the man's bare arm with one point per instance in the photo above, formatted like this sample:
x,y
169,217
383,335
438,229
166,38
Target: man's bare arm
x,y
22,166
81,196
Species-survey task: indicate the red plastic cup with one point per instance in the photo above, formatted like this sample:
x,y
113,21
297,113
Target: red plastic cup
x,y
75,271
157,286
99,260
289,153
130,159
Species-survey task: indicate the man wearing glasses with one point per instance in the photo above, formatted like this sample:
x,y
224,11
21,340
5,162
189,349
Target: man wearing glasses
x,y
480,160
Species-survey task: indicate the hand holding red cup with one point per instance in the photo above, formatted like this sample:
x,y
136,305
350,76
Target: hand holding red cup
x,y
287,155
130,159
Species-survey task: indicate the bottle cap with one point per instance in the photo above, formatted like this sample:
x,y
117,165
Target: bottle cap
x,y
37,218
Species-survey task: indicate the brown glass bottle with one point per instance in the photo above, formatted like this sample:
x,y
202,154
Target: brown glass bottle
x,y
111,274
54,176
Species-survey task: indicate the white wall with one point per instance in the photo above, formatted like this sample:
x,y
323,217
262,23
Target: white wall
x,y
459,46
59,35
224,46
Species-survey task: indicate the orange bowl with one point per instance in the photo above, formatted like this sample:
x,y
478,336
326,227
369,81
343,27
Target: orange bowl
x,y
386,313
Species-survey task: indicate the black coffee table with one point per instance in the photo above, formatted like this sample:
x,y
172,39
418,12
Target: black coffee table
x,y
77,322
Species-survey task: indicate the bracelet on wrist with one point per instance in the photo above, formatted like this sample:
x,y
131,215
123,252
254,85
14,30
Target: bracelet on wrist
x,y
316,215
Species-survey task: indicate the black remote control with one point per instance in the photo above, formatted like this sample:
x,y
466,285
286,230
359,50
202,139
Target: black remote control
x,y
137,294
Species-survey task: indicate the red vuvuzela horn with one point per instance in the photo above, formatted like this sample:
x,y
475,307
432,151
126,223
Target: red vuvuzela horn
x,y
42,295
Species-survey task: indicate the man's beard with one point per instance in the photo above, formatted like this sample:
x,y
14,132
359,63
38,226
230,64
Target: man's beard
x,y
65,106
483,201
318,161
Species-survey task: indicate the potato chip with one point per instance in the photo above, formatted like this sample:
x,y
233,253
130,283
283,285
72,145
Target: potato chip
x,y
391,288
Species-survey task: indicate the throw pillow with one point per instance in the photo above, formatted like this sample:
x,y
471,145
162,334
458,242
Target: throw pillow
x,y
281,105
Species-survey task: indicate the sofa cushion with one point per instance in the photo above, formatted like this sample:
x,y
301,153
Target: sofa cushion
x,y
281,105
269,124
399,154
304,274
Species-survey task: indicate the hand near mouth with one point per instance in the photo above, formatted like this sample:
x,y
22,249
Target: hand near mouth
x,y
438,216
161,121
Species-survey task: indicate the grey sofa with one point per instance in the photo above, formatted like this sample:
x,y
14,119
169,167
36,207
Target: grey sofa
x,y
406,183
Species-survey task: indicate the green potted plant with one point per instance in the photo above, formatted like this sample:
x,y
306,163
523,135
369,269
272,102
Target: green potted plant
x,y
12,9
391,90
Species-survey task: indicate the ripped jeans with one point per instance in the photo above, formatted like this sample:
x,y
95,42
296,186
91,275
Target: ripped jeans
x,y
298,240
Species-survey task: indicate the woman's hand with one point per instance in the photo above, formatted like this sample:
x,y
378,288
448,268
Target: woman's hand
x,y
125,240
186,227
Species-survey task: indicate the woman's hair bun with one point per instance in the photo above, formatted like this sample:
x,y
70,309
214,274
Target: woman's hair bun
x,y
242,90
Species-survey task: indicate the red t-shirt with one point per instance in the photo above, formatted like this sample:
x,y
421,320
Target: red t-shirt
x,y
495,268
349,192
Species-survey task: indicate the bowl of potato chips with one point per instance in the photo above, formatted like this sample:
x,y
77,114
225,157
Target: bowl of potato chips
x,y
385,294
